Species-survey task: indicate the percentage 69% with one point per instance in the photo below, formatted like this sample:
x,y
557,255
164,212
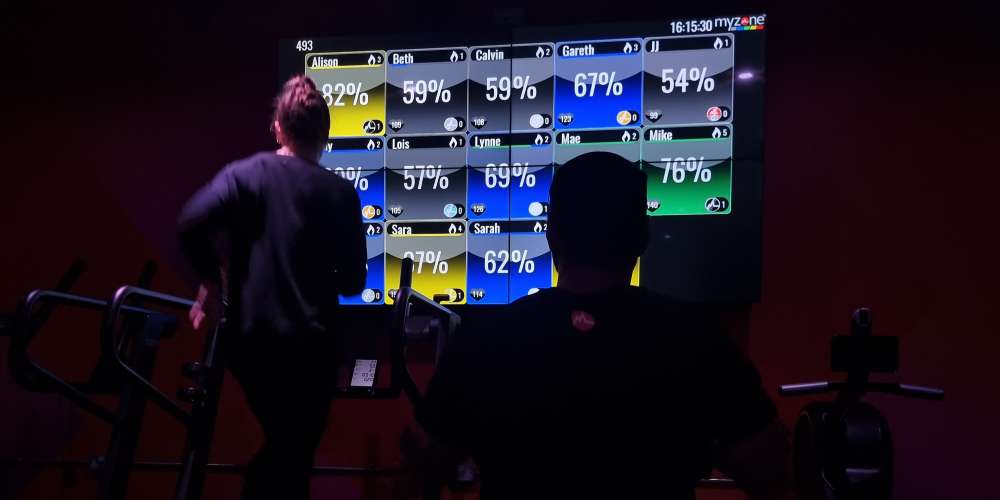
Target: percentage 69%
x,y
500,175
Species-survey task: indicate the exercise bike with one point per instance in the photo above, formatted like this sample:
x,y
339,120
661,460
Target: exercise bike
x,y
843,448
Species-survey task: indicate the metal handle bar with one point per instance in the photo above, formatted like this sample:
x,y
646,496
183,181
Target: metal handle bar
x,y
111,316
33,377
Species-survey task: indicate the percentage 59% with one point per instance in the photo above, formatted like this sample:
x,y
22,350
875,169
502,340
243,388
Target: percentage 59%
x,y
500,87
418,91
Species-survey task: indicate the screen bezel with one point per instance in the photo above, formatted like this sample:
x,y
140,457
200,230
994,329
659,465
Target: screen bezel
x,y
742,228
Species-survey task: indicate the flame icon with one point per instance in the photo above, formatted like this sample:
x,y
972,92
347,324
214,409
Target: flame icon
x,y
452,229
454,56
625,136
538,227
628,48
452,143
371,60
371,229
371,144
540,52
539,139
716,133
717,44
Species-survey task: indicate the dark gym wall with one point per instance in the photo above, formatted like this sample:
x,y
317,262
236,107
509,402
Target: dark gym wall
x,y
878,188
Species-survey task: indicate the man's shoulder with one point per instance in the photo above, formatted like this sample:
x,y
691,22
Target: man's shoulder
x,y
311,174
516,323
661,303
549,310
540,299
631,296
249,166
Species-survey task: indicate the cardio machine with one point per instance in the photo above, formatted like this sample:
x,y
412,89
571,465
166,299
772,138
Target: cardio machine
x,y
843,448
141,333
132,326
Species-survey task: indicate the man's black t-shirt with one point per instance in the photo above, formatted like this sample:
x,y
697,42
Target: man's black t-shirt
x,y
294,241
615,394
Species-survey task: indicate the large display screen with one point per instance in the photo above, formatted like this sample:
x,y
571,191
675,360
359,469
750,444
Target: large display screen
x,y
452,143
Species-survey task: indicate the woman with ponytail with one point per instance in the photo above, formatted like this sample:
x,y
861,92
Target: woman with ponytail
x,y
293,242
